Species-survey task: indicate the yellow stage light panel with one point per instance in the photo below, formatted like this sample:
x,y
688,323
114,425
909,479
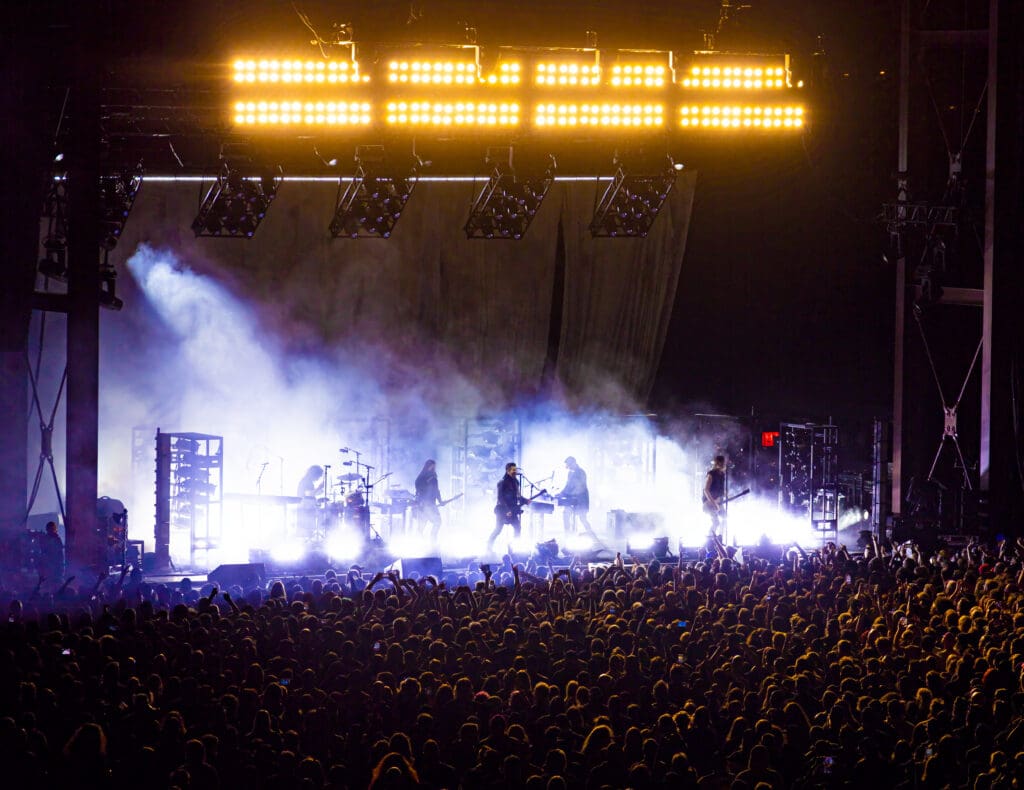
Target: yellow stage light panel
x,y
721,72
432,72
599,115
638,75
296,72
734,116
567,74
331,113
498,114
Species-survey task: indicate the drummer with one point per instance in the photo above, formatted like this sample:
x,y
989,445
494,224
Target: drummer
x,y
309,485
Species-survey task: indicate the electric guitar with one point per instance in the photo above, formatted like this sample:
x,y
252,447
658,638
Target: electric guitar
x,y
710,508
523,502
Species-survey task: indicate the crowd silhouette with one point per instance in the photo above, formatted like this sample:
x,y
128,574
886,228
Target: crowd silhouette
x,y
889,667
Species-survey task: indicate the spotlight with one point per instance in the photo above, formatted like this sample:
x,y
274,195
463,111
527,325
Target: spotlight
x,y
288,553
507,204
237,202
117,196
371,203
631,202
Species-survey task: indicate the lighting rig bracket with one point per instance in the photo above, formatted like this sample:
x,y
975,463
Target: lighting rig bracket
x,y
237,202
371,203
631,202
507,204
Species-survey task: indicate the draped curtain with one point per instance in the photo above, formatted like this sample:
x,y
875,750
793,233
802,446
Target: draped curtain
x,y
428,302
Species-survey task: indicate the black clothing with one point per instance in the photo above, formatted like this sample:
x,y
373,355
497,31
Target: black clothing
x,y
575,493
508,499
427,490
427,496
717,487
507,510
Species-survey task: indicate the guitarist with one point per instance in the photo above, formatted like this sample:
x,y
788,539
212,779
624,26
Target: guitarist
x,y
428,497
509,506
714,493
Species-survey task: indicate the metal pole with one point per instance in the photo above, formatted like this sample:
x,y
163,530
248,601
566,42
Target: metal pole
x,y
83,547
901,263
985,429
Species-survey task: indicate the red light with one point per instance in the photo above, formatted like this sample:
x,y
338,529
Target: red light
x,y
768,438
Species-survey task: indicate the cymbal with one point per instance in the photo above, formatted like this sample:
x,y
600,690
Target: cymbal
x,y
349,476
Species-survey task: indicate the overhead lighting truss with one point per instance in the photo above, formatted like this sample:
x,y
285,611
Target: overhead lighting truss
x,y
238,201
631,202
507,204
369,206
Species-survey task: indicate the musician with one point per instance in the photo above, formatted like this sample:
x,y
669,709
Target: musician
x,y
575,498
714,493
309,485
507,510
307,514
428,497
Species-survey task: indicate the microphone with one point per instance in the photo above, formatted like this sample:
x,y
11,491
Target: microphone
x,y
344,450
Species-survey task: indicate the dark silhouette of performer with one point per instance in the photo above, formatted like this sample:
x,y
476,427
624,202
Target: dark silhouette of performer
x,y
51,554
428,496
575,498
714,494
507,510
309,485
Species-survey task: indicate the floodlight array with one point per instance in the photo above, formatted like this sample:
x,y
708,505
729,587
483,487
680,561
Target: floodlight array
x,y
309,113
117,196
631,203
419,92
298,72
458,113
432,72
736,78
637,75
567,74
371,203
237,202
507,204
593,115
765,117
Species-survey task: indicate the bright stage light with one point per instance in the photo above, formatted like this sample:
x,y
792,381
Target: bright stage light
x,y
578,544
649,115
638,75
305,113
343,546
567,75
453,113
409,546
762,117
733,72
289,552
297,72
433,72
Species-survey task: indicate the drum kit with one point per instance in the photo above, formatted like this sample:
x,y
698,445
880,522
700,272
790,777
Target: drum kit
x,y
346,499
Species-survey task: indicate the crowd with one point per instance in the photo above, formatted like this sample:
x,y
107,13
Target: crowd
x,y
888,667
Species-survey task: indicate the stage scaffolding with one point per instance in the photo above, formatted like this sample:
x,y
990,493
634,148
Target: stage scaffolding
x,y
189,497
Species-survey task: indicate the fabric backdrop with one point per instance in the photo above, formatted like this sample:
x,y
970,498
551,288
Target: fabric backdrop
x,y
429,299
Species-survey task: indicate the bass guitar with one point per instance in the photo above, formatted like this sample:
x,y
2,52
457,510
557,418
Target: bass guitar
x,y
449,500
710,508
